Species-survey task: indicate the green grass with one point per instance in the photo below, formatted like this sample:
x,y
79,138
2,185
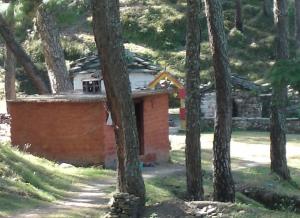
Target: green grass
x,y
174,186
27,181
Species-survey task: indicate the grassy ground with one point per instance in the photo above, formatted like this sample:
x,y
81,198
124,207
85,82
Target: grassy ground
x,y
27,181
245,172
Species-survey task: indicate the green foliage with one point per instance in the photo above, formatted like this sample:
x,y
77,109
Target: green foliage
x,y
159,27
288,71
24,13
237,38
68,12
74,49
35,50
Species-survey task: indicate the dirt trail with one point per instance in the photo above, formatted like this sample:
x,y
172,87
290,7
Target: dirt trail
x,y
89,200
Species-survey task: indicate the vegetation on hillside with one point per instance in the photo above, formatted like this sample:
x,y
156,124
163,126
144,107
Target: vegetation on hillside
x,y
156,29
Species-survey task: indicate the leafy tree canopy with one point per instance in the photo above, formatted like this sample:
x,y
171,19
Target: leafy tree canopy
x,y
288,70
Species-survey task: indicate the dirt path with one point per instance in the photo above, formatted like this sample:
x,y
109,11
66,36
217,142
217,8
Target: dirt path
x,y
89,200
250,154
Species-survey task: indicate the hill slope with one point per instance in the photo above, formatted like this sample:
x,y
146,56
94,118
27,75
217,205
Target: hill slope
x,y
156,29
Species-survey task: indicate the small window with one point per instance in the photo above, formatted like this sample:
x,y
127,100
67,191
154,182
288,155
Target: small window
x,y
92,86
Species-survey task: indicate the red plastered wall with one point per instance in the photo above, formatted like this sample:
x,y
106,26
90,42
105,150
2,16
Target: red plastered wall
x,y
62,131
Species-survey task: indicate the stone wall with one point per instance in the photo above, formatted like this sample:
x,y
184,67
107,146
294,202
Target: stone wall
x,y
245,104
124,206
208,104
258,124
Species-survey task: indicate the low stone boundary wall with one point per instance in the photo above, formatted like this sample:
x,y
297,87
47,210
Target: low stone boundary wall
x,y
259,124
124,206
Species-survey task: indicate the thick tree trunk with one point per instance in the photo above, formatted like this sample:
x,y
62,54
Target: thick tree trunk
x,y
107,30
22,57
223,182
279,95
268,8
238,16
53,52
10,75
193,147
297,25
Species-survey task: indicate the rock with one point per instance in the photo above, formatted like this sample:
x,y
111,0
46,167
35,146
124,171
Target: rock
x,y
65,165
124,205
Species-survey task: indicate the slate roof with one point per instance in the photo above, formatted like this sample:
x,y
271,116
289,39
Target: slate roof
x,y
237,82
92,64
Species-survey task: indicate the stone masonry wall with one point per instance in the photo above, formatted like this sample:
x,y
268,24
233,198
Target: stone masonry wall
x,y
245,104
258,124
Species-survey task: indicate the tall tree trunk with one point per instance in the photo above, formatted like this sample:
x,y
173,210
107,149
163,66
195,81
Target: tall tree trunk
x,y
268,8
279,95
10,75
107,30
223,182
10,63
297,25
22,57
238,16
193,147
53,52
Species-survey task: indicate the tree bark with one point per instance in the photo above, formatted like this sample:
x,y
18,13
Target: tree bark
x,y
22,57
279,95
10,75
268,8
10,63
107,30
238,16
53,52
297,25
223,182
193,147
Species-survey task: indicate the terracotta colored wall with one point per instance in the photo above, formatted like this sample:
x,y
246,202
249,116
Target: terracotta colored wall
x,y
110,147
77,132
156,132
66,132
156,128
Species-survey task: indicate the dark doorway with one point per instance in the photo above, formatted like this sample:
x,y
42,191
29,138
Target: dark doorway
x,y
235,112
139,113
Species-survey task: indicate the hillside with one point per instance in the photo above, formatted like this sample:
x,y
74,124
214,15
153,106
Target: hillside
x,y
156,29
